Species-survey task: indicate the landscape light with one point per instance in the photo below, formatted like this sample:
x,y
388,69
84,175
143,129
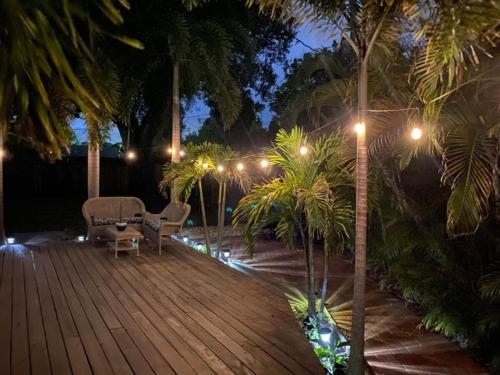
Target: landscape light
x,y
325,333
359,128
185,239
131,155
169,150
264,163
240,166
182,153
220,168
81,238
303,150
226,254
11,240
416,133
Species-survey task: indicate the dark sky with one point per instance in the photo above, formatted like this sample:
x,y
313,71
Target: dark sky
x,y
199,112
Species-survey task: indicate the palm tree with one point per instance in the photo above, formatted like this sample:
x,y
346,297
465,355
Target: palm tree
x,y
40,46
183,176
300,199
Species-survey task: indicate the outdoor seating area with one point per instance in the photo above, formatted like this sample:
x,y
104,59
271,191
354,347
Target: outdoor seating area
x,y
249,187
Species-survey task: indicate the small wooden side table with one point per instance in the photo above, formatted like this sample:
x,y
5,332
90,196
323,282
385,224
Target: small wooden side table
x,y
125,240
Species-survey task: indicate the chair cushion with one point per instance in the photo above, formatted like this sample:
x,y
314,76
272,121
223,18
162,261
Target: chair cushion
x,y
98,221
153,224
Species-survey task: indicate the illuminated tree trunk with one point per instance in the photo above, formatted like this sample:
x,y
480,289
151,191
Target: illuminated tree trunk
x,y
204,218
324,288
93,169
356,363
176,121
2,223
311,296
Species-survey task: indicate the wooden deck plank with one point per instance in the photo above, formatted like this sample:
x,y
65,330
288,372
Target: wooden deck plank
x,y
274,329
96,346
6,310
97,285
39,354
160,303
59,358
20,343
222,309
80,311
175,360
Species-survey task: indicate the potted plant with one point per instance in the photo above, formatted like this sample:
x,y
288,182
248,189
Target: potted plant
x,y
121,225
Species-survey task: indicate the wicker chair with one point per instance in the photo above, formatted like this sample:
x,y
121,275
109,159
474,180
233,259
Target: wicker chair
x,y
103,212
157,227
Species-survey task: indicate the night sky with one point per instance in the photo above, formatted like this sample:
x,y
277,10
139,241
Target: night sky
x,y
198,112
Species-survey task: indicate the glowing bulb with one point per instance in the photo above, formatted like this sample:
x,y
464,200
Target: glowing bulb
x,y
11,240
303,150
185,239
131,155
220,168
416,134
264,163
205,165
325,334
359,128
182,153
169,150
240,166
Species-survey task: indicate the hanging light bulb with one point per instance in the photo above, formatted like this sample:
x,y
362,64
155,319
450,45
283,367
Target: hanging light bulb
x,y
264,163
416,133
220,168
240,166
303,150
182,153
359,128
131,155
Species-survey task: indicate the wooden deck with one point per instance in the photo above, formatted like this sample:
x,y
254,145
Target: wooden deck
x,y
72,308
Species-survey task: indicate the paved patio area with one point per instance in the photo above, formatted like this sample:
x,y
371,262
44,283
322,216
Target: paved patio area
x,y
70,308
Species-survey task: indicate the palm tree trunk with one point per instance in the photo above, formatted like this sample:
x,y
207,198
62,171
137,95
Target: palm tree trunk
x,y
93,170
2,223
219,206
311,295
176,121
496,186
324,288
222,217
356,363
204,218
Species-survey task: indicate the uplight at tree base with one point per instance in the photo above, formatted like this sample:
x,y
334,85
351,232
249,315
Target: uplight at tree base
x,y
416,134
360,128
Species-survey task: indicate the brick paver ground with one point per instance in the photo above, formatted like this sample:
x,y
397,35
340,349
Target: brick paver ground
x,y
395,342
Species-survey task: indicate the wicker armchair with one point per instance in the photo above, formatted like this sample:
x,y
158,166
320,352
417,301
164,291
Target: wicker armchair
x,y
157,227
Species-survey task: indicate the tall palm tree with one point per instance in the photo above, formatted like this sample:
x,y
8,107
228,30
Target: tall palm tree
x,y
444,30
40,44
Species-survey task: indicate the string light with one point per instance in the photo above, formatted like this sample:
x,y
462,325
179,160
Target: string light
x,y
240,166
205,165
359,128
303,150
220,168
264,163
131,155
416,133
